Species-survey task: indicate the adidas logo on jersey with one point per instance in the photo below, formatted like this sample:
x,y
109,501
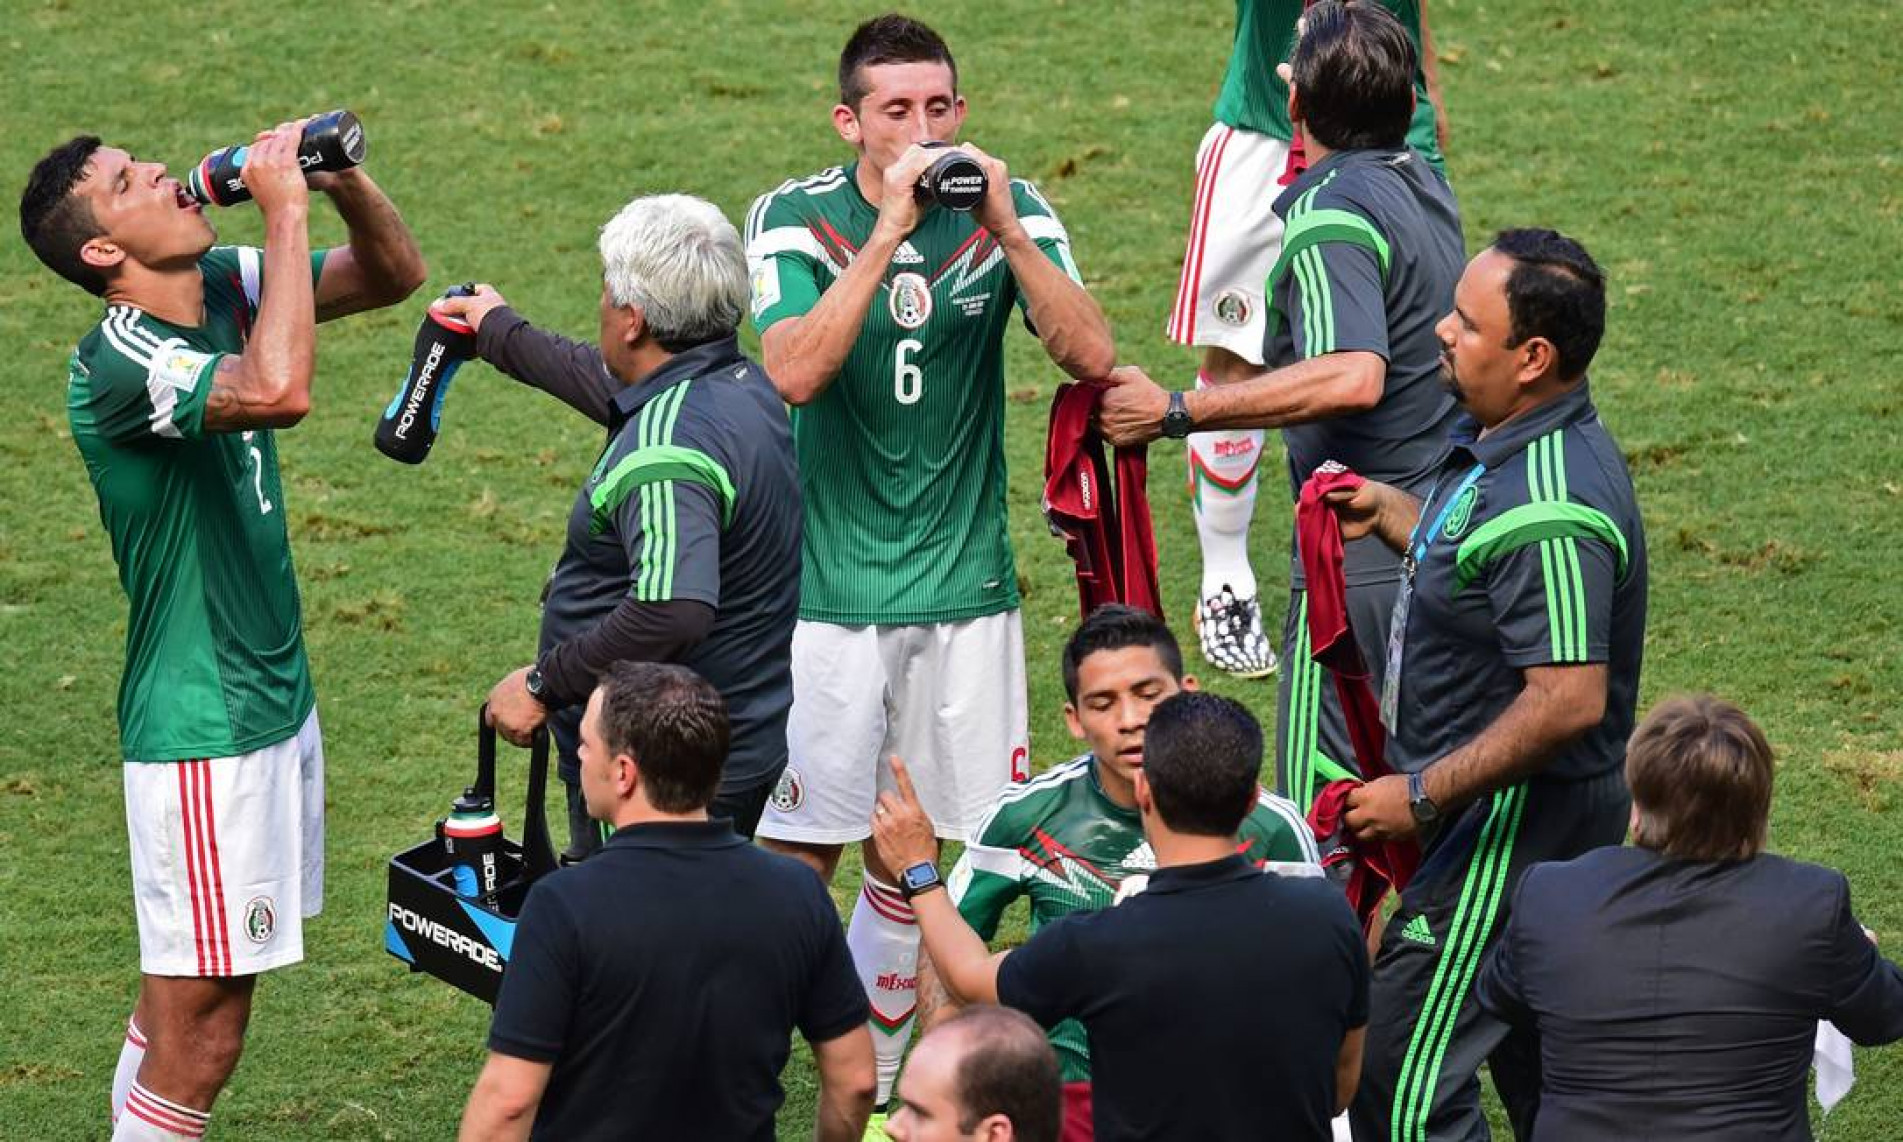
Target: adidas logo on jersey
x,y
1417,932
1141,859
907,256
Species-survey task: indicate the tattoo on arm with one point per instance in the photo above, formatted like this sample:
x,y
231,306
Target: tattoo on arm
x,y
343,305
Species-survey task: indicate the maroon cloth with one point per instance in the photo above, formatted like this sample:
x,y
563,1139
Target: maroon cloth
x,y
1376,864
1110,539
1373,866
1330,639
1079,1125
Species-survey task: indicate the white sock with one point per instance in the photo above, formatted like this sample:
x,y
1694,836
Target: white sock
x,y
883,938
1222,480
150,1118
130,1056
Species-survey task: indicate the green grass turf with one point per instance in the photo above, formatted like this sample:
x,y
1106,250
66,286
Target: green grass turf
x,y
1717,158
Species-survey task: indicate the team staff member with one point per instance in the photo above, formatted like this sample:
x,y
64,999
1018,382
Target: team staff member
x,y
1070,839
1372,252
1511,687
984,1075
1693,946
1234,236
882,321
1221,1001
653,989
684,544
173,399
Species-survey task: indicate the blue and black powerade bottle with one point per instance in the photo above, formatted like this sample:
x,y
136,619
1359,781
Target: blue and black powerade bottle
x,y
443,343
332,141
472,840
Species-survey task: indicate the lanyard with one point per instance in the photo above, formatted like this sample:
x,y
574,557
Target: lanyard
x,y
1416,541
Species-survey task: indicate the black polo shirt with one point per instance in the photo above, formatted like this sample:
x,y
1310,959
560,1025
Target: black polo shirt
x,y
663,979
1216,1001
697,496
1531,552
1372,251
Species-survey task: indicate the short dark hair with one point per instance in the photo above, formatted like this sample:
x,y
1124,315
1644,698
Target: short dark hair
x,y
673,723
1201,756
1555,291
1114,626
1353,70
55,222
890,38
1701,775
1008,1068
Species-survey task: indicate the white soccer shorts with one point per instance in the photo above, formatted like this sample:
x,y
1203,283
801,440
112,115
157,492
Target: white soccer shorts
x,y
947,698
227,857
1234,237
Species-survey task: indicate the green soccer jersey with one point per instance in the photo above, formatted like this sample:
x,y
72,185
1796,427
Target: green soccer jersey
x,y
902,457
215,660
1255,98
1059,840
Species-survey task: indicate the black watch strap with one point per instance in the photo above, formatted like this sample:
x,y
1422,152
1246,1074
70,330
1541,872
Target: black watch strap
x,y
1177,422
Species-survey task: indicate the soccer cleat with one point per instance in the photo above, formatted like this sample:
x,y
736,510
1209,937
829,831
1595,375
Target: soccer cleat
x,y
875,1128
1231,633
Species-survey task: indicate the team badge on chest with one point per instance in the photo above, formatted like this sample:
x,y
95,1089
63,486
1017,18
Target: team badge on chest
x,y
910,300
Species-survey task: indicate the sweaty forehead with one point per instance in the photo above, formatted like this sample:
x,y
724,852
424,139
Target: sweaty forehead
x,y
105,164
1483,287
916,82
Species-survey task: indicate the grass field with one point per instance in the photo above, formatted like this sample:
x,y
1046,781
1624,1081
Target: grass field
x,y
1736,167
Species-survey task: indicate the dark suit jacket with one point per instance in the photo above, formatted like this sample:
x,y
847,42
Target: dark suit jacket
x,y
1679,999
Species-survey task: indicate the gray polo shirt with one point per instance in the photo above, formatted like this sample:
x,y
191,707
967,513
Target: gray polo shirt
x,y
1371,252
1532,554
696,496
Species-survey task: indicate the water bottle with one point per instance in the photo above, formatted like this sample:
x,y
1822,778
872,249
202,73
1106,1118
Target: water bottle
x,y
332,141
408,426
472,839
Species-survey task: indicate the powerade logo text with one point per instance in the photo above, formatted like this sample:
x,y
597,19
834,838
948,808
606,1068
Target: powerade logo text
x,y
444,937
235,183
419,392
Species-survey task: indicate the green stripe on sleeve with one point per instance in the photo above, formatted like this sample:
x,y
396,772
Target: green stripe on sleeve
x,y
1536,523
652,465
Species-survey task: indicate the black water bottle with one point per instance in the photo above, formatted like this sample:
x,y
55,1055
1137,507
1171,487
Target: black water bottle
x,y
472,840
954,181
332,141
443,343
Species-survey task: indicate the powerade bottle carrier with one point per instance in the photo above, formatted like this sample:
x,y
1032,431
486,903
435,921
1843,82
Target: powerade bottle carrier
x,y
454,899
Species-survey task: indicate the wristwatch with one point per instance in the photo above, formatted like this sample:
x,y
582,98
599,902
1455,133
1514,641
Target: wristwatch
x,y
533,683
1419,803
919,878
1177,422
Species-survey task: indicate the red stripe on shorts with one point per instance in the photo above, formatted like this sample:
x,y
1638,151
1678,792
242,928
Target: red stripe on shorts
x,y
1189,289
188,823
222,963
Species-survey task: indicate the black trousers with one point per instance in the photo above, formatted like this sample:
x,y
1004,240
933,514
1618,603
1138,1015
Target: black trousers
x,y
1426,1035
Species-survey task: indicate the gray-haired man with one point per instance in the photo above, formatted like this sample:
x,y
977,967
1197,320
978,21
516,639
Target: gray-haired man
x,y
684,544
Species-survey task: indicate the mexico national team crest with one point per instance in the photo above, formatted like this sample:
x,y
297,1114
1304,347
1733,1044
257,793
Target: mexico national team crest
x,y
790,793
911,300
1461,514
260,919
1232,307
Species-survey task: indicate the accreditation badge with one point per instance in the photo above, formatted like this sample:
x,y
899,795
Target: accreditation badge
x,y
1397,644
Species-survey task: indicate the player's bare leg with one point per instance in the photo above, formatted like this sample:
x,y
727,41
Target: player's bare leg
x,y
1222,483
194,1032
821,858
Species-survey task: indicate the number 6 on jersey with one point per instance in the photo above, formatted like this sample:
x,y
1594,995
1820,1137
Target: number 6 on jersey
x,y
908,380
